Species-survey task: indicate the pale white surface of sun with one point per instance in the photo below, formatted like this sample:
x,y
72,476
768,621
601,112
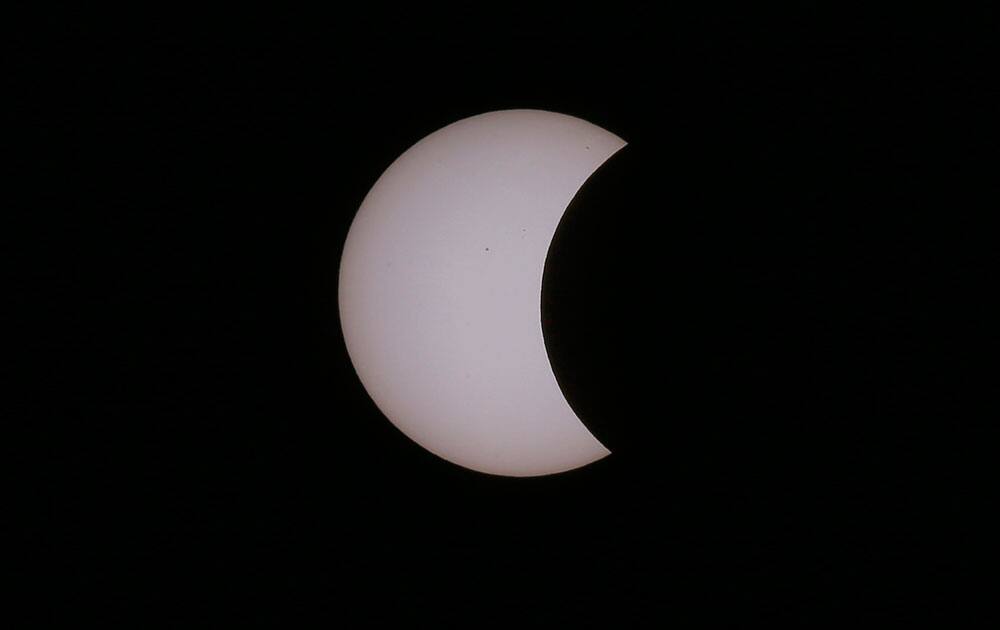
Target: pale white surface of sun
x,y
440,290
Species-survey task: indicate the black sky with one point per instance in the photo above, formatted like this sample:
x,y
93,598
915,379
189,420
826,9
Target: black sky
x,y
761,305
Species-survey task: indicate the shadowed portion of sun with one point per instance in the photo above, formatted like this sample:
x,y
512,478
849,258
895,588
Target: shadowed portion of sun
x,y
440,290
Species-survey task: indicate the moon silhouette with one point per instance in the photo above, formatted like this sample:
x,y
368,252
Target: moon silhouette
x,y
440,290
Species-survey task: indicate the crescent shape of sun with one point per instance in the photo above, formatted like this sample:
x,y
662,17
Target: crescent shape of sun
x,y
440,290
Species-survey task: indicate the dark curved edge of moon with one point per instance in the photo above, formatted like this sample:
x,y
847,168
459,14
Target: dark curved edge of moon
x,y
583,302
666,322
638,310
631,330
698,315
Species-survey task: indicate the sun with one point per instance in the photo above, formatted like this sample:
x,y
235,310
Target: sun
x,y
440,290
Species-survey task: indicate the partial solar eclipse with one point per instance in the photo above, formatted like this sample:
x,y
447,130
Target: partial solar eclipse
x,y
440,290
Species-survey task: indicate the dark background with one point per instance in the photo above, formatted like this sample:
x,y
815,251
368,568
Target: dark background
x,y
761,305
